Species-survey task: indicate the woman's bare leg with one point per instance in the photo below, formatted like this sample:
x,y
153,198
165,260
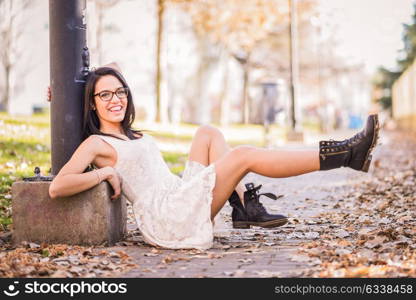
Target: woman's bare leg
x,y
234,165
209,145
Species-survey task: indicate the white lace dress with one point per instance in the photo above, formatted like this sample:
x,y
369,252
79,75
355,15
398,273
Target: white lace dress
x,y
170,211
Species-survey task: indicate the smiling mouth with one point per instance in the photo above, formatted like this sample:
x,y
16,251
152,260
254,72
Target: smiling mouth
x,y
116,108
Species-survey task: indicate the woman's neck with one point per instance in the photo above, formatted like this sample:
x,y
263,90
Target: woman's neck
x,y
112,129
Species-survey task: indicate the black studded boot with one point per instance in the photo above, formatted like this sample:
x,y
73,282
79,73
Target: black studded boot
x,y
239,212
354,152
254,213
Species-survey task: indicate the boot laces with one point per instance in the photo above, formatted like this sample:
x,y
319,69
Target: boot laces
x,y
255,197
356,138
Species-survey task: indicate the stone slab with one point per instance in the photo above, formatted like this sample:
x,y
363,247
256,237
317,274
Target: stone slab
x,y
88,218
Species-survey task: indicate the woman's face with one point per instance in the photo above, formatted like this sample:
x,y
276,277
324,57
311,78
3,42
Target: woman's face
x,y
113,110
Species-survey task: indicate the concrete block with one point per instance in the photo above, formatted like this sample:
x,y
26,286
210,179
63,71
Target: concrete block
x,y
88,218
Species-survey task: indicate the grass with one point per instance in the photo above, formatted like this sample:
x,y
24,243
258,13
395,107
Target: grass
x,y
38,120
24,144
172,136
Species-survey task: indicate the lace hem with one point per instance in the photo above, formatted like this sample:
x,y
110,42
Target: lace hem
x,y
184,219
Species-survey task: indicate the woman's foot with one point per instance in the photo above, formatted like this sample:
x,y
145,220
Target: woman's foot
x,y
354,152
253,212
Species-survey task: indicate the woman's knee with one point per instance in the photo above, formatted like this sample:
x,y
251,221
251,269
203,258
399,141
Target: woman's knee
x,y
208,131
243,153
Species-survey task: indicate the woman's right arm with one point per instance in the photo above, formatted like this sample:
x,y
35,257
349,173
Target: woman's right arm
x,y
71,180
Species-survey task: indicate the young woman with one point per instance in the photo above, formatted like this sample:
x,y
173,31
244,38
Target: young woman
x,y
174,212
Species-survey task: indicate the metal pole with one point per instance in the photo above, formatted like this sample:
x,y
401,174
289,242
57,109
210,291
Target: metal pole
x,y
67,69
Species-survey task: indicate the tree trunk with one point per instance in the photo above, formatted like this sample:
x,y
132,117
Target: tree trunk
x,y
12,33
201,77
6,59
246,104
224,105
199,105
6,98
244,60
160,11
99,34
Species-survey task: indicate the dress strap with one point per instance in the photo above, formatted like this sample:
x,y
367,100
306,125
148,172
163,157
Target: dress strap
x,y
110,140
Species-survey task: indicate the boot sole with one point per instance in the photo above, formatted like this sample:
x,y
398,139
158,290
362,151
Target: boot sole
x,y
368,157
268,224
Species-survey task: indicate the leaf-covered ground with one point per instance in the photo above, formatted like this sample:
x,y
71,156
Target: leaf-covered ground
x,y
373,232
59,260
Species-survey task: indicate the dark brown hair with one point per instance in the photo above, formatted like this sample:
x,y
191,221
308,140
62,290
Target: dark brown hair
x,y
91,122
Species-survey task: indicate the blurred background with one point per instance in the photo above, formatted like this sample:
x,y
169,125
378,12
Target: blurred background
x,y
226,61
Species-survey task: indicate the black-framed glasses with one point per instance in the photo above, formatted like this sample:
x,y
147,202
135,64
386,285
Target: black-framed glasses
x,y
121,93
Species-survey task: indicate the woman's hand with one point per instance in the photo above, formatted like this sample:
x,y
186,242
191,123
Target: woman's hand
x,y
113,65
113,178
48,94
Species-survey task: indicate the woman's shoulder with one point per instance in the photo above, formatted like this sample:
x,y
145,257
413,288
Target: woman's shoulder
x,y
93,139
139,135
96,144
